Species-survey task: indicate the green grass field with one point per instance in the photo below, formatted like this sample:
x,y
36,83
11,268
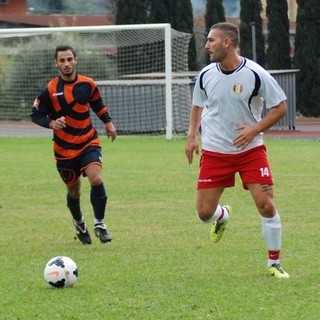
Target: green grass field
x,y
161,264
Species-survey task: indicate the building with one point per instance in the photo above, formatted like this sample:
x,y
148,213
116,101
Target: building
x,y
15,14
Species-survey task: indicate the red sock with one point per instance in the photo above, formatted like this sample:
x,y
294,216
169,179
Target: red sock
x,y
274,255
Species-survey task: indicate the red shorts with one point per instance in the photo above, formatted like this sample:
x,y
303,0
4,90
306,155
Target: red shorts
x,y
218,170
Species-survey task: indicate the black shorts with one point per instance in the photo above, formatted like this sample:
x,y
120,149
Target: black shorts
x,y
71,170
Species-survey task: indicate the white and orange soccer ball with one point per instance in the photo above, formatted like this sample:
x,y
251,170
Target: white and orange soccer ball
x,y
61,272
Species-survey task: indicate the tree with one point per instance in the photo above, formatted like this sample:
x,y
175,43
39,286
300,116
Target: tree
x,y
250,16
307,57
161,11
131,11
180,15
214,14
183,21
278,52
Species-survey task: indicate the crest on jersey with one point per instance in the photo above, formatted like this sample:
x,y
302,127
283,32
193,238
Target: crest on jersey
x,y
237,88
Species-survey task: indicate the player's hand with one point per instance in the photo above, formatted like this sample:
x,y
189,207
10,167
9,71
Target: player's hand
x,y
191,146
244,137
58,124
110,130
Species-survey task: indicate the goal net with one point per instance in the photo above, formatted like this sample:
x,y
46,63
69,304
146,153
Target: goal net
x,y
141,71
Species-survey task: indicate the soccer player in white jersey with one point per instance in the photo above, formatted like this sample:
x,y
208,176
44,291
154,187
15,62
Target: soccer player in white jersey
x,y
226,110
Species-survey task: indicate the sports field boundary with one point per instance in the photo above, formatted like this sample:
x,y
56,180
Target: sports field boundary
x,y
306,128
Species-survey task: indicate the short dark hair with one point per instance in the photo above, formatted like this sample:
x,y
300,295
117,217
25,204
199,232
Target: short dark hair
x,y
64,47
230,29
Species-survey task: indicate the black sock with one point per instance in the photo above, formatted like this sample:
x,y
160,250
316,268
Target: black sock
x,y
74,207
98,199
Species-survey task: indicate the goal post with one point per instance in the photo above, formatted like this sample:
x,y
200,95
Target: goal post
x,y
147,65
168,72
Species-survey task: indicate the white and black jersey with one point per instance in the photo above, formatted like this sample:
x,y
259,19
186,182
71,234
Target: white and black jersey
x,y
231,99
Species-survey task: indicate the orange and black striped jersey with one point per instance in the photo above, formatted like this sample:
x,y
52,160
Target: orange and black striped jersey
x,y
72,100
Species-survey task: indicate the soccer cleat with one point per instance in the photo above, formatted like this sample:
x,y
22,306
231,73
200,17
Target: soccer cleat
x,y
82,232
218,228
101,232
277,271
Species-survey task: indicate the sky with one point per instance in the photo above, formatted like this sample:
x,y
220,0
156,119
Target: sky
x,y
231,7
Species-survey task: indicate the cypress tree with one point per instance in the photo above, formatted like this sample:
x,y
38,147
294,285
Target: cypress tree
x,y
183,21
131,11
214,14
250,12
307,57
160,11
179,14
278,52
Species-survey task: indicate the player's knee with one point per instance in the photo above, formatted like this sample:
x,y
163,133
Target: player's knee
x,y
267,208
204,214
96,180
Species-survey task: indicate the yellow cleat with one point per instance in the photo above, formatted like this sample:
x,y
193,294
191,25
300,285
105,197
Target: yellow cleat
x,y
218,228
277,271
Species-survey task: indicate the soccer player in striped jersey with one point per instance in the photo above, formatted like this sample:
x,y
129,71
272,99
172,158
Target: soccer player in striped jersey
x,y
64,106
226,109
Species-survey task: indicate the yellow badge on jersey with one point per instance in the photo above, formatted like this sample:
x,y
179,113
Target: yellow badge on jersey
x,y
237,88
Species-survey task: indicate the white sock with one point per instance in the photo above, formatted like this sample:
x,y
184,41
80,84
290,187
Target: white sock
x,y
79,222
271,262
272,234
96,221
220,214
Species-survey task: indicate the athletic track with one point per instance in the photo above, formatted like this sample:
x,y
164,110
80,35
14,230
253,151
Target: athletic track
x,y
305,129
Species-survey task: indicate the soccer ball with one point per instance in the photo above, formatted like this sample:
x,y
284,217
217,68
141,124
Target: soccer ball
x,y
61,272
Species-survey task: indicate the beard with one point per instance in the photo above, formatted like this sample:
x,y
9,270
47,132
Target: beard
x,y
217,56
68,72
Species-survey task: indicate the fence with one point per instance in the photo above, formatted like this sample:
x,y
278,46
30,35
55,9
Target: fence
x,y
138,106
287,81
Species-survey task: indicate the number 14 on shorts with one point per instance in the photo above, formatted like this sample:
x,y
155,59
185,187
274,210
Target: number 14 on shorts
x,y
264,171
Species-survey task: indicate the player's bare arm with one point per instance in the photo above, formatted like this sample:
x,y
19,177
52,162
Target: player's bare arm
x,y
194,124
247,133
